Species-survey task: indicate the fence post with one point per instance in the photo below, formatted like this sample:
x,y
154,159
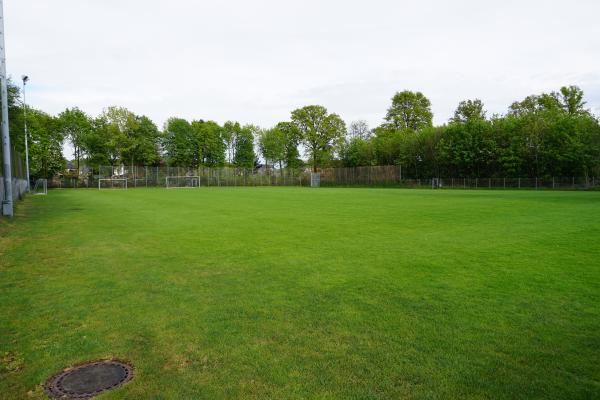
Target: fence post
x,y
536,183
519,183
552,182
489,183
476,183
573,182
504,183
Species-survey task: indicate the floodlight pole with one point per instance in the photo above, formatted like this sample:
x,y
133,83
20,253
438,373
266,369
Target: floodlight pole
x,y
7,202
25,79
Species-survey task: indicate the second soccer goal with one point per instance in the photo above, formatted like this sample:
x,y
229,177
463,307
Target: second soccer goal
x,y
181,182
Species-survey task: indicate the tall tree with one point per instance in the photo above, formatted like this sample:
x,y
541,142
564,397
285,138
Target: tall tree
x,y
99,144
15,116
45,146
292,138
244,148
231,131
359,129
469,110
571,100
144,138
117,124
75,125
135,137
271,143
535,104
469,149
409,110
45,138
320,131
179,142
357,152
209,136
388,144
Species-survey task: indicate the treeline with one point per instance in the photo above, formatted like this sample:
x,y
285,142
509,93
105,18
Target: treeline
x,y
551,134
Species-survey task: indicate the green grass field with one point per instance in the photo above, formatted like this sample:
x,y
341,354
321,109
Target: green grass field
x,y
297,293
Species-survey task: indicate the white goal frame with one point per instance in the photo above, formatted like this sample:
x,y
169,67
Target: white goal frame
x,y
195,179
315,179
112,180
40,187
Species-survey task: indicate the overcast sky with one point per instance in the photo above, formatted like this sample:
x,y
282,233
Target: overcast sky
x,y
255,61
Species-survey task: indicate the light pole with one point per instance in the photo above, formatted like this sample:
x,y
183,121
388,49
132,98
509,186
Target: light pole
x,y
25,80
7,202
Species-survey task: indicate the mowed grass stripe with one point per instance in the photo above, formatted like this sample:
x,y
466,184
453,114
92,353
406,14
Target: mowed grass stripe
x,y
298,293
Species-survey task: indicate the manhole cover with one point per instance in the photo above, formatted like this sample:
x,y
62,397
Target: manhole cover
x,y
88,380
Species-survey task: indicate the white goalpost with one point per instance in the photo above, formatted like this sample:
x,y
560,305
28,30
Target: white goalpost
x,y
40,187
112,183
182,182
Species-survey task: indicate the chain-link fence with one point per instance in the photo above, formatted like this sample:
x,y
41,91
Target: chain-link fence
x,y
19,176
387,175
141,176
503,183
376,176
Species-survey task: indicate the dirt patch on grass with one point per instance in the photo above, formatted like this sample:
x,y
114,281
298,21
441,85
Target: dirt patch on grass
x,y
11,363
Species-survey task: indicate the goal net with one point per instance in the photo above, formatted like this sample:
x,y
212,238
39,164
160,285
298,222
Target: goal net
x,y
315,179
112,183
40,187
177,182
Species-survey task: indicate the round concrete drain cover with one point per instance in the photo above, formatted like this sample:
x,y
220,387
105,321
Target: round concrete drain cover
x,y
88,380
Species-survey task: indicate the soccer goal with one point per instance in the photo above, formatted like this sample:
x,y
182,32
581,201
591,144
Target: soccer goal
x,y
112,183
315,179
40,187
180,182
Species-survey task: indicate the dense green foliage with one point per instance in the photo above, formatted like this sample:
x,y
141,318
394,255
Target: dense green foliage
x,y
244,156
541,136
320,131
409,110
551,134
249,293
45,138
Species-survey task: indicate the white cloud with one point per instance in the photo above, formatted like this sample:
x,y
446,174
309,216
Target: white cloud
x,y
256,61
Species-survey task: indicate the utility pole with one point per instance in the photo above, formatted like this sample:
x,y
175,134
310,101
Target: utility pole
x,y
7,202
25,80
